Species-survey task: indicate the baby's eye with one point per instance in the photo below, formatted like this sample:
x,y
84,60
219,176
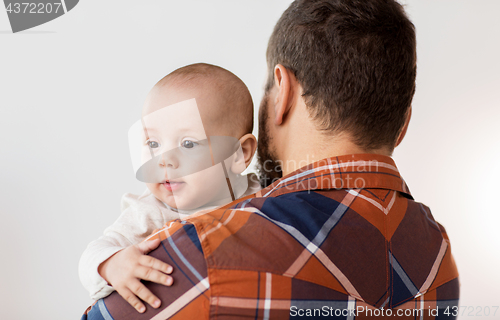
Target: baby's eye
x,y
188,144
153,144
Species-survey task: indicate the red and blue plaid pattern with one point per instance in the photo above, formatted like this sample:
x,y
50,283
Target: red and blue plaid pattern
x,y
341,238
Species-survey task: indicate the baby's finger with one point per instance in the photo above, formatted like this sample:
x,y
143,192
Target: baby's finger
x,y
131,299
140,290
154,263
147,246
150,274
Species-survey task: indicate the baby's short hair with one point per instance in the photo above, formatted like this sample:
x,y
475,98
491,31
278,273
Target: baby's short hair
x,y
236,101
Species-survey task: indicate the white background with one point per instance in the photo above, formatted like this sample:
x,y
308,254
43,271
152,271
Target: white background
x,y
70,89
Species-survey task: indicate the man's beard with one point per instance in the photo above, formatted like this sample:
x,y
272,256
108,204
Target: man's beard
x,y
268,166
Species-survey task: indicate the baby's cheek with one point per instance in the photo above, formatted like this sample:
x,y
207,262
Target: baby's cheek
x,y
151,187
199,183
207,184
218,184
155,189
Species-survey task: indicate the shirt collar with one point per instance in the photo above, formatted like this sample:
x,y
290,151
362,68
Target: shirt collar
x,y
356,171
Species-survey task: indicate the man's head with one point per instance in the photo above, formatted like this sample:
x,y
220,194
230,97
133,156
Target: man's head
x,y
190,118
355,64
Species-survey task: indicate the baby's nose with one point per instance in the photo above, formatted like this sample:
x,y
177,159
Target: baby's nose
x,y
169,159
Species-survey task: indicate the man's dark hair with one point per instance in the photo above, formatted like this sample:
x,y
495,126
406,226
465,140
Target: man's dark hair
x,y
356,63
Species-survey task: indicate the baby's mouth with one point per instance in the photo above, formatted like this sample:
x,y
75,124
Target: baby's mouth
x,y
172,185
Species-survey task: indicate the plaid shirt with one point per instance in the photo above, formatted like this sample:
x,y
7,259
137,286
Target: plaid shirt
x,y
341,238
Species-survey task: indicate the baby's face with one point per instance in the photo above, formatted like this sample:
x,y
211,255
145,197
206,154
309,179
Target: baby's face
x,y
176,149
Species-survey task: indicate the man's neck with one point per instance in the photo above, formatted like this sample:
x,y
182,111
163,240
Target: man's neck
x,y
302,143
307,152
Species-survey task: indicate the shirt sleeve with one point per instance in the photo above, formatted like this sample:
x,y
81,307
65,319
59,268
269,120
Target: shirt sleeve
x,y
187,298
137,220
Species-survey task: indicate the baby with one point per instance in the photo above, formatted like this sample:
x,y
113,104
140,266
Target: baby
x,y
196,139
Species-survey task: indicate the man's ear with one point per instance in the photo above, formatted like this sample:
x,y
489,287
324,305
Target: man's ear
x,y
405,128
248,146
285,82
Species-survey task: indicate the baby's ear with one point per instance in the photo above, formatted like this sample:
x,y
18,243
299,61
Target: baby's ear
x,y
238,161
244,154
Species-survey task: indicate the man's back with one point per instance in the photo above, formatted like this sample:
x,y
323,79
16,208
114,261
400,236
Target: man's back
x,y
341,237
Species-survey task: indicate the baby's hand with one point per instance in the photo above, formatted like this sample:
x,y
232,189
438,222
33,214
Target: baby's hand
x,y
124,269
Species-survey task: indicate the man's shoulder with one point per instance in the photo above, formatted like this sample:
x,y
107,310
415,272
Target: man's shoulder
x,y
300,209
